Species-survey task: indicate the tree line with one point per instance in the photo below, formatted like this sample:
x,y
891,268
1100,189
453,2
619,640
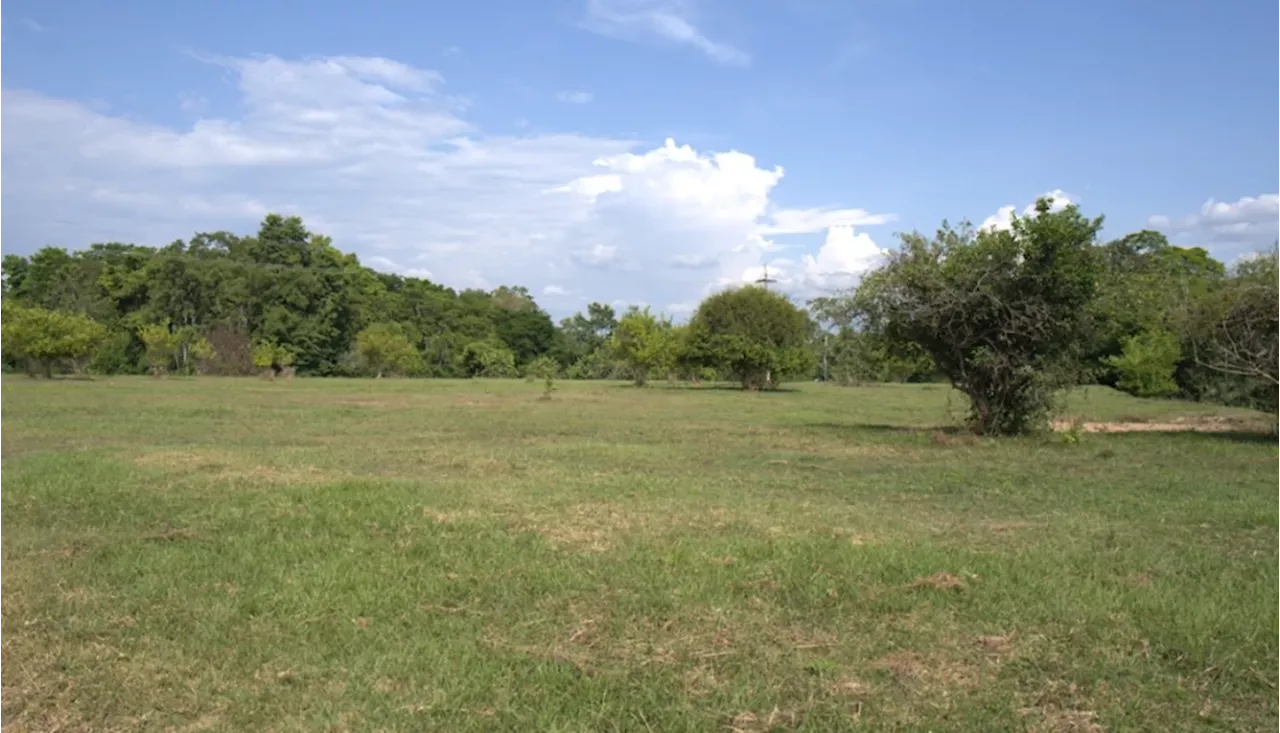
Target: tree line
x,y
286,299
1007,316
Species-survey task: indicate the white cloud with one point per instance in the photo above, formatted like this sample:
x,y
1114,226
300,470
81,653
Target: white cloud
x,y
1003,218
799,221
692,262
663,19
385,264
840,263
599,255
575,97
26,23
373,153
554,290
1249,224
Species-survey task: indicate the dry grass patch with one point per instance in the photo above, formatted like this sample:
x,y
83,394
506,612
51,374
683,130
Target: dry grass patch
x,y
599,526
1051,719
750,722
930,673
591,527
228,466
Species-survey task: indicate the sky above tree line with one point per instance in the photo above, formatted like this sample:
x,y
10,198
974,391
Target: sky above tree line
x,y
635,151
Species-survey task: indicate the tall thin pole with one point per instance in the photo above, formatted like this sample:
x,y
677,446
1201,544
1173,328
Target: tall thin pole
x,y
765,279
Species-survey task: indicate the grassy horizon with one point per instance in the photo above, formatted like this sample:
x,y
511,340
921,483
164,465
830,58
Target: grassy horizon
x,y
326,554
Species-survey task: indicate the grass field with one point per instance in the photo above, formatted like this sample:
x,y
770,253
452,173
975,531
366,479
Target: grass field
x,y
395,555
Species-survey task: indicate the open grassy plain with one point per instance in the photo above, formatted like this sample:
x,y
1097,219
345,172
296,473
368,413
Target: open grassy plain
x,y
395,555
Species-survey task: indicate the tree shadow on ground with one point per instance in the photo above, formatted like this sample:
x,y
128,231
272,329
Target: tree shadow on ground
x,y
949,429
708,388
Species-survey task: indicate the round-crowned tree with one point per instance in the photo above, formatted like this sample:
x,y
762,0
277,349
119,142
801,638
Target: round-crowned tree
x,y
752,334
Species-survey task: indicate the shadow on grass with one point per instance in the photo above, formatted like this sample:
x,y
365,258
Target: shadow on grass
x,y
708,388
851,428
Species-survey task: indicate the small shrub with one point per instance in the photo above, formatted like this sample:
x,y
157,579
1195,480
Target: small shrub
x,y
1146,365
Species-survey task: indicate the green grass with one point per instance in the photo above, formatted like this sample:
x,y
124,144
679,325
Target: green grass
x,y
389,555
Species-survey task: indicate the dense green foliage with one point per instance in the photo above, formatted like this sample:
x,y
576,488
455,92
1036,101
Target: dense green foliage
x,y
1001,313
1146,365
1008,316
752,335
644,343
35,335
1233,328
384,347
285,286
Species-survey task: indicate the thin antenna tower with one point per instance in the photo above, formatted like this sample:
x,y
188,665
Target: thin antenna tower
x,y
765,279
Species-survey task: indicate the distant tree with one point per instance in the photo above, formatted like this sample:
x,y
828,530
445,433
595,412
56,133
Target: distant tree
x,y
584,335
752,334
384,347
852,353
44,337
1234,327
161,345
1147,364
541,367
527,332
488,359
1003,314
165,348
1144,287
643,342
232,351
272,358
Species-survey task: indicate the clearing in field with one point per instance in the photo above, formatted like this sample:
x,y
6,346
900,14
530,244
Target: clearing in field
x,y
222,555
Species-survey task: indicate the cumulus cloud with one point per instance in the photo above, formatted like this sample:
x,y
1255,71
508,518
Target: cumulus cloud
x,y
1249,224
666,20
554,291
376,154
844,257
1002,220
575,97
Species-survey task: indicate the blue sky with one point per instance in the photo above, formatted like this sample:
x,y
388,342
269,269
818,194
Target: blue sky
x,y
521,142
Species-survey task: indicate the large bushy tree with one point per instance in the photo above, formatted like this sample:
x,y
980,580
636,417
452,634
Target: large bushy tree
x,y
756,336
1233,328
384,347
39,336
1002,313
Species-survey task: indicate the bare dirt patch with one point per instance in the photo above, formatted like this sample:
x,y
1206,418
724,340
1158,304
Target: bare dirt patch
x,y
939,581
1201,424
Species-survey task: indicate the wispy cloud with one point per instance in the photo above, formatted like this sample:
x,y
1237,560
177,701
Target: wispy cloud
x,y
575,97
1249,224
666,20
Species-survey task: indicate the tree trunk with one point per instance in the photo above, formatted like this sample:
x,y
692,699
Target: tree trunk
x,y
48,368
1275,424
982,417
